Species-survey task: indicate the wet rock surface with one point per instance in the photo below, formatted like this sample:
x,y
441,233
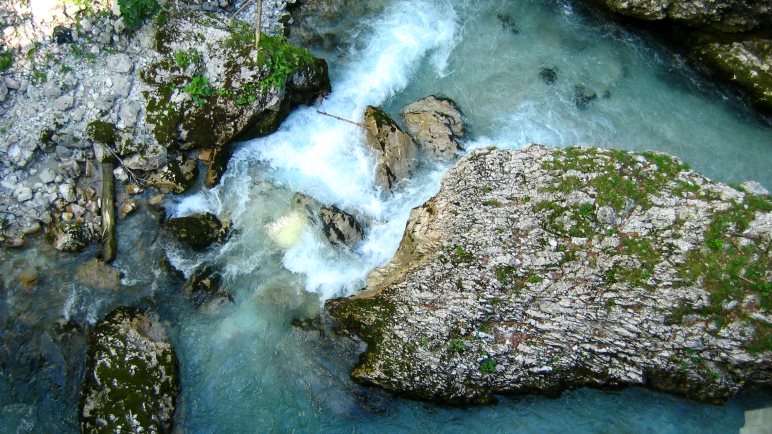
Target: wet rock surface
x,y
198,231
395,151
131,381
338,226
547,269
437,125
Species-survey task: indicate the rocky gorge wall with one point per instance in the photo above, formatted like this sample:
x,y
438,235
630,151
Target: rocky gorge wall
x,y
732,37
546,269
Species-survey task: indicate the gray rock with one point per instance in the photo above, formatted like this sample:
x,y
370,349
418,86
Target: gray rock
x,y
129,356
198,231
120,63
128,113
3,91
12,83
51,89
23,193
67,191
437,125
338,226
394,150
504,282
63,103
47,176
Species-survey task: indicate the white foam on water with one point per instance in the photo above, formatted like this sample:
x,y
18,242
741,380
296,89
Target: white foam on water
x,y
327,159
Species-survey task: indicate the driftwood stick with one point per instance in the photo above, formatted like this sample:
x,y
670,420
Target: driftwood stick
x,y
361,125
108,211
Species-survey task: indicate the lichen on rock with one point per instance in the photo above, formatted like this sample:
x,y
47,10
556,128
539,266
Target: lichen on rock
x,y
547,269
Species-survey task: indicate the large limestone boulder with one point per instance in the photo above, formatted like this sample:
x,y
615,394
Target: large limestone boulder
x,y
547,269
207,88
198,231
437,125
394,150
338,226
131,379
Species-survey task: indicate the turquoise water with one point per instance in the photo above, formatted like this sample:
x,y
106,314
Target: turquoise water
x,y
244,367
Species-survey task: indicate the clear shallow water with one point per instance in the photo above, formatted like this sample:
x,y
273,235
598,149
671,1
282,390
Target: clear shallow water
x,y
244,367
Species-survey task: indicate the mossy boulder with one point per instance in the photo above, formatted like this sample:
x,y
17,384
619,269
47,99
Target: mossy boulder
x,y
547,269
198,231
102,132
131,380
209,88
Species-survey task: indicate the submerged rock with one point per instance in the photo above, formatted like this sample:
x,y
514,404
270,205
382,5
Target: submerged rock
x,y
583,96
205,285
437,125
548,75
395,151
547,269
96,274
131,380
198,231
338,226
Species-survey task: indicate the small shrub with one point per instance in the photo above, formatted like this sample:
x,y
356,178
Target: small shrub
x,y
457,345
488,366
6,60
135,12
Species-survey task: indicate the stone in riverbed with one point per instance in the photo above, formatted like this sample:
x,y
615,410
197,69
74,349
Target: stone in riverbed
x,y
131,380
70,237
394,150
198,231
340,227
437,125
98,275
176,177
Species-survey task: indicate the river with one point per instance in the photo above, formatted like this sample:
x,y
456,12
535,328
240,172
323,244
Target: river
x,y
244,367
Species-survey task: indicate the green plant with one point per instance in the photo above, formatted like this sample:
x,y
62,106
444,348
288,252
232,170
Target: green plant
x,y
39,76
135,12
457,345
462,254
184,58
488,366
199,89
535,279
6,60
